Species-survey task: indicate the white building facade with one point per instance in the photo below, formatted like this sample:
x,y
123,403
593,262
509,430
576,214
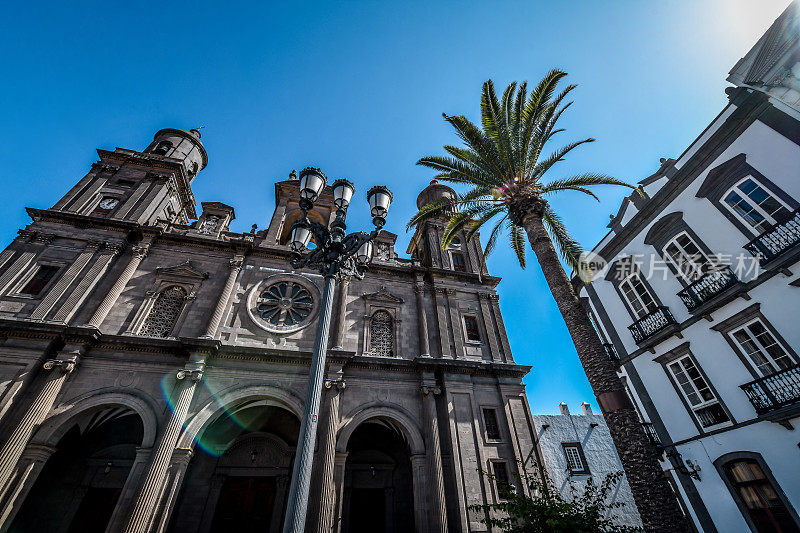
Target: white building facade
x,y
699,299
574,448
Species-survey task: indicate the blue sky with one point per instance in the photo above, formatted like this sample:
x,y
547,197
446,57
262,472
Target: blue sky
x,y
358,89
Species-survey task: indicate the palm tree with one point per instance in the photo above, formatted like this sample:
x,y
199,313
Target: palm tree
x,y
504,167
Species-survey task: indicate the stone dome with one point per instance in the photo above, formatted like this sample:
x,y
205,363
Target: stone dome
x,y
434,191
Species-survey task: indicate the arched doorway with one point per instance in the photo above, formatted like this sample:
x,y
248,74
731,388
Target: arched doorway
x,y
81,483
238,478
378,488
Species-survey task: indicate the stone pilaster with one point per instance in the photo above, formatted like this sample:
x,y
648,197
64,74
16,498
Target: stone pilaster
x,y
436,485
501,328
137,254
341,314
440,306
87,282
30,465
327,506
455,324
57,371
235,264
422,321
63,283
152,491
491,334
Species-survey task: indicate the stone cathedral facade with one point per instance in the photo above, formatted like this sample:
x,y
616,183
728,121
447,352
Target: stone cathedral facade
x,y
153,366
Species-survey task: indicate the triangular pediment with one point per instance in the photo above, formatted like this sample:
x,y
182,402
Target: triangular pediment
x,y
183,270
383,295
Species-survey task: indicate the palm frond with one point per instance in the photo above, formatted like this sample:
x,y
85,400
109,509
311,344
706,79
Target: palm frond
x,y
569,249
517,238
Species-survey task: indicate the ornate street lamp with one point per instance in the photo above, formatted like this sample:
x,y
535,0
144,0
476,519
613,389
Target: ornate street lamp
x,y
336,255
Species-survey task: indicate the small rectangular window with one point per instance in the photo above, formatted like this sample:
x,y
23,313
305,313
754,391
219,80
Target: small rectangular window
x,y
490,422
39,280
638,297
500,472
471,328
459,264
576,461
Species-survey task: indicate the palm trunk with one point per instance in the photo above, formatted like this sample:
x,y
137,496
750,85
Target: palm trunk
x,y
654,497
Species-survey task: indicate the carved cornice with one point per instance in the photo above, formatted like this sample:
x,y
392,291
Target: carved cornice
x,y
383,295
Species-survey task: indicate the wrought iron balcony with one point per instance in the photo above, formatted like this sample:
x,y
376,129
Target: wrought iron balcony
x,y
776,240
774,391
707,287
650,431
651,323
611,352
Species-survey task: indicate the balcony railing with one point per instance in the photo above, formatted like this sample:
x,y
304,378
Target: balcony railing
x,y
650,324
650,431
611,352
707,287
774,391
777,239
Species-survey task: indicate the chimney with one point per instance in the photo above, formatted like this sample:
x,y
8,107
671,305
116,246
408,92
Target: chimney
x,y
587,409
563,408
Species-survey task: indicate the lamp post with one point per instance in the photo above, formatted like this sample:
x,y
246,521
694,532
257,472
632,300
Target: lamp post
x,y
336,255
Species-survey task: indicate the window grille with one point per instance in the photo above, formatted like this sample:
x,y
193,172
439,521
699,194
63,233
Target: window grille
x,y
164,314
492,427
459,264
501,478
576,463
381,334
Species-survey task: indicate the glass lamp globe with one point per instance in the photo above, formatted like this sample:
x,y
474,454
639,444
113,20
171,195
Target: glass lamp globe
x,y
364,253
312,181
301,236
342,193
379,198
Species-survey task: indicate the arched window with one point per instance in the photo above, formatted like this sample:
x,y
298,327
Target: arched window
x,y
381,334
164,314
758,497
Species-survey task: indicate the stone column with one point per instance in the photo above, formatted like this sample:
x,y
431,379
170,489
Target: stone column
x,y
176,474
57,372
436,484
327,448
138,253
341,312
30,465
129,490
422,322
236,266
421,503
339,465
152,490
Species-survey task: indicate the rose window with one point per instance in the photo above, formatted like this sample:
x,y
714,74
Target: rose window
x,y
284,304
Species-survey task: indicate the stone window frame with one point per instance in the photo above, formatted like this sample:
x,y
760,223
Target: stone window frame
x,y
668,228
680,352
585,470
744,317
31,271
614,277
471,313
460,253
495,485
183,276
722,178
382,300
722,460
483,425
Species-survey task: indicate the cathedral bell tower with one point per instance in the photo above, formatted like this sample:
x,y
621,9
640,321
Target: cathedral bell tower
x,y
142,187
461,255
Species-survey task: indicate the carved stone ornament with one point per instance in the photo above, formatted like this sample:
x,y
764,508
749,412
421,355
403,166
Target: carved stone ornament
x,y
210,225
192,375
65,365
283,304
337,384
383,252
430,389
383,295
